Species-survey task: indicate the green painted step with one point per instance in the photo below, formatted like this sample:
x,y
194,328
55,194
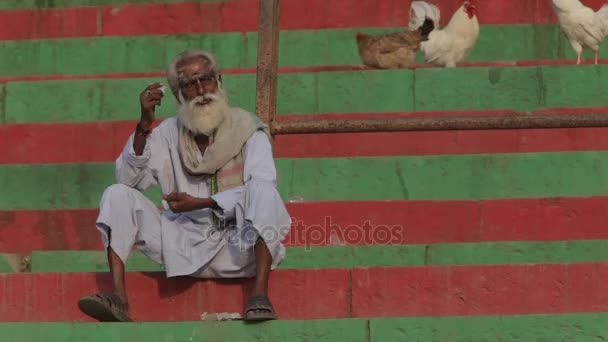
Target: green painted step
x,y
442,177
584,327
579,327
33,4
95,100
321,330
99,55
522,89
484,253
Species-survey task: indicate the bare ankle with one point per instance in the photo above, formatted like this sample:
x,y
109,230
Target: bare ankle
x,y
122,296
259,290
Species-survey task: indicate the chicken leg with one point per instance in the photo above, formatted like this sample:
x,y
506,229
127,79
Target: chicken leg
x,y
597,57
578,48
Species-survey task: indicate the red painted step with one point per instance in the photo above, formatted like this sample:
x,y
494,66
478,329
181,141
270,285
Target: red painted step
x,y
326,293
325,223
242,16
480,290
49,23
42,143
302,294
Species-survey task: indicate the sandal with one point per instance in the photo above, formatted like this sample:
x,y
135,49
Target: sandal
x,y
105,307
259,302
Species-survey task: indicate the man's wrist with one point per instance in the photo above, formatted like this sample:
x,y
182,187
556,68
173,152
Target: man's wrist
x,y
145,123
204,203
143,129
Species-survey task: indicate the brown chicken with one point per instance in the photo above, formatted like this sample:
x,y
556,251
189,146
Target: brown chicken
x,y
393,50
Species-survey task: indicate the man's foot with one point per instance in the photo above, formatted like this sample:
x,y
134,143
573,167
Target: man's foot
x,y
105,307
259,309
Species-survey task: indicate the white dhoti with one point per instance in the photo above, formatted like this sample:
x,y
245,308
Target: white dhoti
x,y
186,246
203,243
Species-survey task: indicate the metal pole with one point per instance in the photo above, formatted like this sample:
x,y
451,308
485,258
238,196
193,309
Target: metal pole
x,y
268,59
440,123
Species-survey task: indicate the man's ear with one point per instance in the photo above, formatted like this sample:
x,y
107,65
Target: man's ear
x,y
219,77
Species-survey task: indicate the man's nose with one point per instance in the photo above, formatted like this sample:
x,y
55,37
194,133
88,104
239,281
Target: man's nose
x,y
200,90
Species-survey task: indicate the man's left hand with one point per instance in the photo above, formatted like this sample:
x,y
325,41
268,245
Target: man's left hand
x,y
181,202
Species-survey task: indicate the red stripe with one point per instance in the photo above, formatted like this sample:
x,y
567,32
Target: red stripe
x,y
480,290
371,292
242,16
287,69
52,143
177,18
41,143
54,296
444,113
441,143
332,223
147,74
49,23
37,78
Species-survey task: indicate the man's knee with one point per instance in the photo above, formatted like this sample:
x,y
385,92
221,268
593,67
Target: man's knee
x,y
118,192
256,186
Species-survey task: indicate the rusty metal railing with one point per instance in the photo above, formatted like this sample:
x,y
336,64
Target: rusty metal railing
x,y
266,101
440,123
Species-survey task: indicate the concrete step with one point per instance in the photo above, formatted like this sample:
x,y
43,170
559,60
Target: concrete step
x,y
325,293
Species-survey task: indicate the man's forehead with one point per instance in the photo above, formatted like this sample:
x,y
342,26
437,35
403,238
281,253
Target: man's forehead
x,y
193,67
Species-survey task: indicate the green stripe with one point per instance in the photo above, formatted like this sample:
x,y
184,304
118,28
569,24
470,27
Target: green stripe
x,y
94,100
579,327
445,177
33,4
352,330
328,92
485,253
521,89
98,55
2,103
57,185
591,327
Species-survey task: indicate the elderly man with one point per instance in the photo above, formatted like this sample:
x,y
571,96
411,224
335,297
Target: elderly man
x,y
223,216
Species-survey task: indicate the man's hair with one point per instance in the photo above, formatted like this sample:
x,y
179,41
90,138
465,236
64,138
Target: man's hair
x,y
191,54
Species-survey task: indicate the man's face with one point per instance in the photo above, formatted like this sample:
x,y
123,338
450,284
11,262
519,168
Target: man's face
x,y
195,79
202,101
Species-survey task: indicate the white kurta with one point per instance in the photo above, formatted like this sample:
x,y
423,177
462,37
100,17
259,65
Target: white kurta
x,y
193,243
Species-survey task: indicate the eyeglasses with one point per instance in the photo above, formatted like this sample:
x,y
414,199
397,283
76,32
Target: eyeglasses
x,y
192,85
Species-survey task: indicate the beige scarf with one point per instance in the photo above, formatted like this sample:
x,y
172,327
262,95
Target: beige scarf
x,y
223,158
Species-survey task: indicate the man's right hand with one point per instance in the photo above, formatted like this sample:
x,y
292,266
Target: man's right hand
x,y
150,98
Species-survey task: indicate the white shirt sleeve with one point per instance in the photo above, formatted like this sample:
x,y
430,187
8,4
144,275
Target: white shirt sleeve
x,y
135,171
259,163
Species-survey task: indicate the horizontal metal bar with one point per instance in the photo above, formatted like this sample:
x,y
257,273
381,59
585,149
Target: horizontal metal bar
x,y
440,123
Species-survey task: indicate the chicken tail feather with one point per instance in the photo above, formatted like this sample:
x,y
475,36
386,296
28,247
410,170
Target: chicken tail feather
x,y
426,28
420,11
601,18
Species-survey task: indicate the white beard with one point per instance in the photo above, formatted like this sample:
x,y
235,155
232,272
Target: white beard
x,y
204,119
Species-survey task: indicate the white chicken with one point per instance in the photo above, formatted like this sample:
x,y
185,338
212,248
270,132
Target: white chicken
x,y
452,44
583,27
